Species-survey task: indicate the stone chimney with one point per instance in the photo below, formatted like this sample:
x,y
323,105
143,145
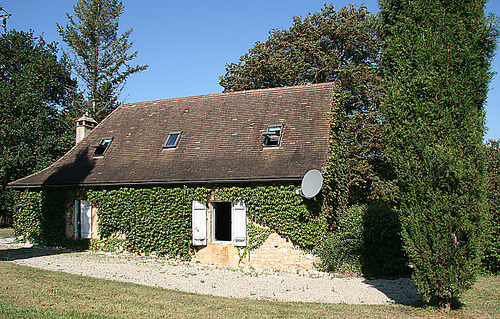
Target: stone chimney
x,y
84,125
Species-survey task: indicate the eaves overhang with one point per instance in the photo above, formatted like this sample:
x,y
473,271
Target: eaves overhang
x,y
162,183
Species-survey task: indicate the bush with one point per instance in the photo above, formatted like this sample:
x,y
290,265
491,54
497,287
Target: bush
x,y
341,250
366,241
383,254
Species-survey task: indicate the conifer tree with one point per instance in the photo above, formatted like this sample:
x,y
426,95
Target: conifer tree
x,y
436,58
100,55
491,256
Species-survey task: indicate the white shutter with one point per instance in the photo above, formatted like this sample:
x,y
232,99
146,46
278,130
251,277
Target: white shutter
x,y
77,217
199,223
239,224
86,219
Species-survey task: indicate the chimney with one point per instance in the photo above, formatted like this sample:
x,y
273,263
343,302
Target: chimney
x,y
84,125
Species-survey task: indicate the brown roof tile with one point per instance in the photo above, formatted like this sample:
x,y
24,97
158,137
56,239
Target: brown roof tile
x,y
221,140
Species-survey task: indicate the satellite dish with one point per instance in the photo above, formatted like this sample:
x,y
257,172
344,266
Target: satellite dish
x,y
311,184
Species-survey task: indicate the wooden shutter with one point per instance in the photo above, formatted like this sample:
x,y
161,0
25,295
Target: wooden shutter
x,y
86,219
239,224
77,219
199,224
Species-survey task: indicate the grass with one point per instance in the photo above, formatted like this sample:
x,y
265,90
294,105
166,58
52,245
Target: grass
x,y
33,293
6,232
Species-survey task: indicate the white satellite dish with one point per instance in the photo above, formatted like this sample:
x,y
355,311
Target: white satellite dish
x,y
311,184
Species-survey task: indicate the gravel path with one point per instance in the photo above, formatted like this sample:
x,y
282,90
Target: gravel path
x,y
217,281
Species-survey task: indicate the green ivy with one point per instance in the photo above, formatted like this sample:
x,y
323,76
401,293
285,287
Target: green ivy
x,y
158,220
152,219
257,236
281,210
28,215
335,186
110,244
40,216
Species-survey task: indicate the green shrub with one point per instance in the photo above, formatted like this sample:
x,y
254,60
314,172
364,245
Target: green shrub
x,y
366,241
435,61
383,254
341,250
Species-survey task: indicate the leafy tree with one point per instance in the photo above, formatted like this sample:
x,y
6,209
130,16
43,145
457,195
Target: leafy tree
x,y
35,103
491,258
436,57
100,55
331,46
326,46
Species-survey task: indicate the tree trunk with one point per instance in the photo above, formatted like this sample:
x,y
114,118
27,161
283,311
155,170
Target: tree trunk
x,y
445,304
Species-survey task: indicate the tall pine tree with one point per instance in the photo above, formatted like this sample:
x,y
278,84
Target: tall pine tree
x,y
436,58
100,55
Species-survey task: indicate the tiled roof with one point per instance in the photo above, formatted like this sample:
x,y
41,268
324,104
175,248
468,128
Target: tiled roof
x,y
221,141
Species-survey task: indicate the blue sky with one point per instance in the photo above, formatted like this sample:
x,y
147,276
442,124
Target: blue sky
x,y
187,43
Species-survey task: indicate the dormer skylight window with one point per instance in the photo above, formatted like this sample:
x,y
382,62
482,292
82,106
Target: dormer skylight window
x,y
273,135
172,140
102,147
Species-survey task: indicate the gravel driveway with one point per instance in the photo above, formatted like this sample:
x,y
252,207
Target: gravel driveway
x,y
217,281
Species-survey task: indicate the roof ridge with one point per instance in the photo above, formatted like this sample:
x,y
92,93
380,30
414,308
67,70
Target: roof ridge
x,y
252,91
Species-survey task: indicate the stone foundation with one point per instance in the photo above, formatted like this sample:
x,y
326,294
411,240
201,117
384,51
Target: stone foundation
x,y
275,253
279,253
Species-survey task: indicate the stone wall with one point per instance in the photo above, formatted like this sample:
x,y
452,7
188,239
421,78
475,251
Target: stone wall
x,y
279,253
275,253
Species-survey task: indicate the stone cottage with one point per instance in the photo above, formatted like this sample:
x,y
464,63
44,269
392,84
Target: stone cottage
x,y
216,174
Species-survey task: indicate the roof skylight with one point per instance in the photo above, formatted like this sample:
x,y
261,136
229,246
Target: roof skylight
x,y
102,147
273,135
172,140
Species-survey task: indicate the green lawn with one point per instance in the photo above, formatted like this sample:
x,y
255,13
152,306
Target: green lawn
x,y
33,293
6,232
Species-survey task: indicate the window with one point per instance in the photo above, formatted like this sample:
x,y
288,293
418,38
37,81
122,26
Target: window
x,y
172,140
272,137
228,220
229,223
102,147
222,221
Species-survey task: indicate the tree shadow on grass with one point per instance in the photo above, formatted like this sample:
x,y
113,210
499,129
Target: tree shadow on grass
x,y
10,251
12,254
401,290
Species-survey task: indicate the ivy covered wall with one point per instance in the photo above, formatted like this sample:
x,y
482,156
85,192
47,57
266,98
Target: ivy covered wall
x,y
159,219
40,216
